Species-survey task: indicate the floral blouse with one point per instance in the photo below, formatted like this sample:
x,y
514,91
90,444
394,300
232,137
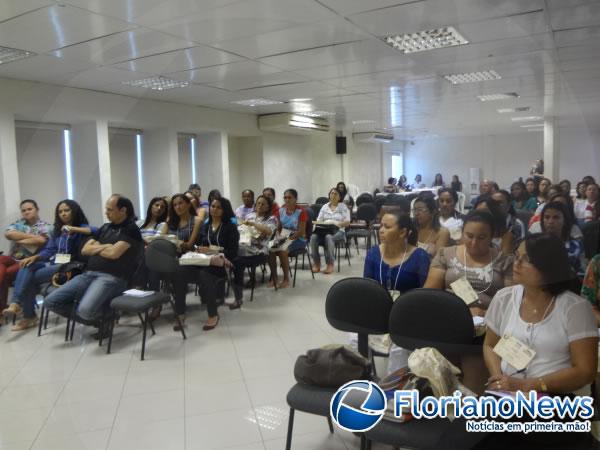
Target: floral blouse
x,y
591,282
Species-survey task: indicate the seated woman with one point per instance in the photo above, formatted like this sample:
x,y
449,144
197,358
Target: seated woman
x,y
431,235
403,184
485,268
559,326
338,214
398,265
156,216
218,231
520,198
513,223
26,237
292,219
556,221
390,187
591,208
531,188
450,218
542,191
503,238
580,202
185,225
456,184
568,202
591,285
257,250
70,228
438,181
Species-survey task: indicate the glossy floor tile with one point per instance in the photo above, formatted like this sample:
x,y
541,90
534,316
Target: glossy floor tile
x,y
223,389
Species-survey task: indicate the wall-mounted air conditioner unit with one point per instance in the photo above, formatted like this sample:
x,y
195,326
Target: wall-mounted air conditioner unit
x,y
292,123
373,137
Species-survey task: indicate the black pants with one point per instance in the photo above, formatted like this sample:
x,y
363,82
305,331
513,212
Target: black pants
x,y
210,281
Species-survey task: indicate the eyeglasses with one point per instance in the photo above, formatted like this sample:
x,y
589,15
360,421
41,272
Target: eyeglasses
x,y
420,210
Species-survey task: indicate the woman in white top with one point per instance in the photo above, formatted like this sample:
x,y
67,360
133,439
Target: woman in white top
x,y
450,218
556,324
431,235
336,213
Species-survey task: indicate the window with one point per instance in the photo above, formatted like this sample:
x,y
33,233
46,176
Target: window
x,y
140,174
68,162
397,169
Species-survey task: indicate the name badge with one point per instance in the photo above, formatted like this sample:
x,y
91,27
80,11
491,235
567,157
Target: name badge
x,y
394,294
464,290
62,258
514,352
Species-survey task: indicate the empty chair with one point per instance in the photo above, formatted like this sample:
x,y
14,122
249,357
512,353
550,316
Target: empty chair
x,y
314,210
365,197
363,227
429,318
161,257
321,200
357,305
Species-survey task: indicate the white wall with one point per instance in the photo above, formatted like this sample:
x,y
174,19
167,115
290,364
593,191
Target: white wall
x,y
364,165
211,149
502,158
185,162
123,167
579,154
245,166
41,163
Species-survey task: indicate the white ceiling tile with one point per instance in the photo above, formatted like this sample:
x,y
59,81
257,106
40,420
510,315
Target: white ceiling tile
x,y
12,8
55,27
312,89
247,18
369,50
505,27
236,83
294,39
103,76
187,59
402,70
426,15
347,7
148,12
44,68
579,36
227,73
575,17
122,46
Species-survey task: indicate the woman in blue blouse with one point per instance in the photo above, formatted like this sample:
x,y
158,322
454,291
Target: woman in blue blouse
x,y
399,265
70,228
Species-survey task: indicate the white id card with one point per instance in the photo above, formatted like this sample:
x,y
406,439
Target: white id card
x,y
62,258
464,290
514,352
394,294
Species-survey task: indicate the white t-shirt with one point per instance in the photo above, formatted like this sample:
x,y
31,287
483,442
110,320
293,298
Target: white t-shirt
x,y
341,213
454,226
570,320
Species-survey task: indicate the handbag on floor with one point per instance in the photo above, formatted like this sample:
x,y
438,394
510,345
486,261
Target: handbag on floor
x,y
331,366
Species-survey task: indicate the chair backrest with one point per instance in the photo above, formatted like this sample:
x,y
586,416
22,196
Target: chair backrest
x,y
432,318
161,256
398,200
365,197
314,209
591,241
462,198
359,305
524,215
309,227
321,200
366,212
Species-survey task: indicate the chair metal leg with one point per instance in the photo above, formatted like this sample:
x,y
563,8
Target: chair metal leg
x,y
295,270
330,423
72,329
67,329
101,332
363,442
110,334
145,321
42,312
310,265
348,254
181,327
46,318
288,442
253,282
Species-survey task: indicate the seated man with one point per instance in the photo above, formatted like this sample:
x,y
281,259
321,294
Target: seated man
x,y
113,256
243,210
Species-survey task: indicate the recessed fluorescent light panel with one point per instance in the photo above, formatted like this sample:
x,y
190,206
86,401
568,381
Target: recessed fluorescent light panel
x,y
426,40
318,114
525,118
495,97
257,102
8,54
157,83
532,125
513,110
472,77
362,122
300,99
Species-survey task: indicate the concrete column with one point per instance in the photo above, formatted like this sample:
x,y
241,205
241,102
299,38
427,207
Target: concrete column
x,y
551,149
91,168
160,163
212,163
225,164
10,194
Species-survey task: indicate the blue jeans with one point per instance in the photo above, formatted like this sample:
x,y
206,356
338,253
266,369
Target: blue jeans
x,y
328,243
92,289
27,285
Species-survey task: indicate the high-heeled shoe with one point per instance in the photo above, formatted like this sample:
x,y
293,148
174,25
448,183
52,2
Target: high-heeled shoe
x,y
207,327
236,305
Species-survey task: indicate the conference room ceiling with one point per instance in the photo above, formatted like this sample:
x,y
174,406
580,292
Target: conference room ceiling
x,y
330,53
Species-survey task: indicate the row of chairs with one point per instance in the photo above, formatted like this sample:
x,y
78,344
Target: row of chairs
x,y
363,306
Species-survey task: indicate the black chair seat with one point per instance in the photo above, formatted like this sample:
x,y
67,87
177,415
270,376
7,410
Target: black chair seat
x,y
425,434
358,233
136,305
310,399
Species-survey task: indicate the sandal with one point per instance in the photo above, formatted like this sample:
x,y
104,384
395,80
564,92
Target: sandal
x,y
207,327
236,305
154,313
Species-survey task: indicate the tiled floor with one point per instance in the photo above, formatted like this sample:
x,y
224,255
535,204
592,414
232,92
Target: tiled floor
x,y
223,389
